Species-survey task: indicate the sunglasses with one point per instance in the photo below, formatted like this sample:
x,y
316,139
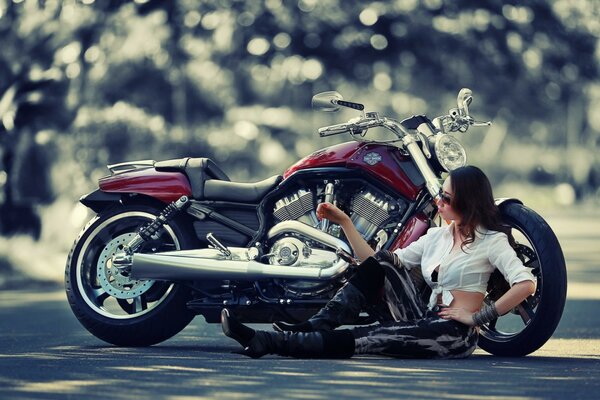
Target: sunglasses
x,y
444,197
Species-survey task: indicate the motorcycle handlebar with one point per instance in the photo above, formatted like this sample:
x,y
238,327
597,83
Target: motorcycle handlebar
x,y
352,127
458,119
334,129
362,125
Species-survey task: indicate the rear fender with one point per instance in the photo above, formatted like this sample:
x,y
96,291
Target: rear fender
x,y
164,186
99,200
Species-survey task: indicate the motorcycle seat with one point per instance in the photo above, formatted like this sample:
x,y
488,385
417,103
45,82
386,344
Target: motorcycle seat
x,y
198,171
239,192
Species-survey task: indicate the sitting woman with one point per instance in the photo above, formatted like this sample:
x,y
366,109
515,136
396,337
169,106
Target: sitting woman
x,y
456,262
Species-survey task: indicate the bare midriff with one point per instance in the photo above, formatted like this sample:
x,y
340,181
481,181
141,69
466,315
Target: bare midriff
x,y
470,301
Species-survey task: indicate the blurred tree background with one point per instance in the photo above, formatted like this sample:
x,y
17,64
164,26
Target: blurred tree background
x,y
85,83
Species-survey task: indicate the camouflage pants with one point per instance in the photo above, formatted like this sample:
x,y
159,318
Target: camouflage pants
x,y
414,331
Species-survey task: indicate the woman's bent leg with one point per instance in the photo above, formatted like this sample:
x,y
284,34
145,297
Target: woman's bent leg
x,y
363,293
363,288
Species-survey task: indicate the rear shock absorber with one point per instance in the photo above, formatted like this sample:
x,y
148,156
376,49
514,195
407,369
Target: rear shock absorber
x,y
122,260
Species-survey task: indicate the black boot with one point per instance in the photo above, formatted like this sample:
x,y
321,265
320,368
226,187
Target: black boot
x,y
364,287
235,329
336,344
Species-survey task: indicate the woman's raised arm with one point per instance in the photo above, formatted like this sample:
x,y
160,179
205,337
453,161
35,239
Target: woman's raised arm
x,y
361,248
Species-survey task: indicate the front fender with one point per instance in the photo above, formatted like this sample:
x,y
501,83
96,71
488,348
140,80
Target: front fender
x,y
500,202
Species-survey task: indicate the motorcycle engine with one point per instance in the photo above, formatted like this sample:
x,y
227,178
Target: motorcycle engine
x,y
300,206
368,213
368,210
293,251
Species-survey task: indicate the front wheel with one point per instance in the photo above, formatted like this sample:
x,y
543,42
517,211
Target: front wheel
x,y
529,325
108,303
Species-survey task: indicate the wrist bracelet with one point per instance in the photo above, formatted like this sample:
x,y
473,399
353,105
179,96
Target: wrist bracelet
x,y
487,314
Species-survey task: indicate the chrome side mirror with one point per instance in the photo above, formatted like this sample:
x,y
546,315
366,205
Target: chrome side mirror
x,y
326,101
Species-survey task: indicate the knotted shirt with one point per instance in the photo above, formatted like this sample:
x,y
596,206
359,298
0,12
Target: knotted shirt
x,y
467,269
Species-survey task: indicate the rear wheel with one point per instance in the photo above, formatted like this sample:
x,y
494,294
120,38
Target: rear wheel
x,y
529,325
108,302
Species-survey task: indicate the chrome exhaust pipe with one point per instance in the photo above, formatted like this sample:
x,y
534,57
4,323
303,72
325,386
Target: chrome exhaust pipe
x,y
175,268
212,264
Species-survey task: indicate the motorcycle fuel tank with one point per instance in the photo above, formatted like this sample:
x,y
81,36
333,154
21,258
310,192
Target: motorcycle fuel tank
x,y
385,163
332,156
164,186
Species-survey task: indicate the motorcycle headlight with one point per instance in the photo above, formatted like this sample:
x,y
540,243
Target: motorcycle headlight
x,y
449,152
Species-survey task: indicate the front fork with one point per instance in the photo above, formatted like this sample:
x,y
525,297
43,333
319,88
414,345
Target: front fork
x,y
431,180
122,260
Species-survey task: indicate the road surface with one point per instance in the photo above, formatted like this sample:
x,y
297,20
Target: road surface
x,y
45,353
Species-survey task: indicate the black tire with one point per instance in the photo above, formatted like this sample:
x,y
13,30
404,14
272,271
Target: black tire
x,y
541,312
158,310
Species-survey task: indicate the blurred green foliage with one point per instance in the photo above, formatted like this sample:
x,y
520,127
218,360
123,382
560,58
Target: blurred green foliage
x,y
232,79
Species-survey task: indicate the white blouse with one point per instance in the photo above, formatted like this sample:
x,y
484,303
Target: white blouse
x,y
467,270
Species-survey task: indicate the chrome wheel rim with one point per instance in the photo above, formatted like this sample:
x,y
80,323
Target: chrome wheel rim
x,y
516,321
105,290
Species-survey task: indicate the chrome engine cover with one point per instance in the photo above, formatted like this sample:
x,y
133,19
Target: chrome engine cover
x,y
288,251
297,252
291,251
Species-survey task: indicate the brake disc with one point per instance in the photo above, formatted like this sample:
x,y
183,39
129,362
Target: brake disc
x,y
115,282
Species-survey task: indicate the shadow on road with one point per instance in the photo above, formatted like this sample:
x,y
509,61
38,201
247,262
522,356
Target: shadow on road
x,y
208,370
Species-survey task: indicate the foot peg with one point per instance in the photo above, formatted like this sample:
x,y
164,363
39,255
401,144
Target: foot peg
x,y
218,245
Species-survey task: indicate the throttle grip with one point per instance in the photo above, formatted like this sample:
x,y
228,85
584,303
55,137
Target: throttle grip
x,y
349,104
333,130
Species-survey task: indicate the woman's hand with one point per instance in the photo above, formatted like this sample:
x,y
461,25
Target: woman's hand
x,y
457,314
332,213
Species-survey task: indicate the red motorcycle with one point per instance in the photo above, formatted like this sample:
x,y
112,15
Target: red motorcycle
x,y
173,239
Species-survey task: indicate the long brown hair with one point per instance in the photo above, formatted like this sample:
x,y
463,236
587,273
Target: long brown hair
x,y
473,199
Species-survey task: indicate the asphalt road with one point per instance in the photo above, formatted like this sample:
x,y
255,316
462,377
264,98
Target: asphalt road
x,y
45,353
